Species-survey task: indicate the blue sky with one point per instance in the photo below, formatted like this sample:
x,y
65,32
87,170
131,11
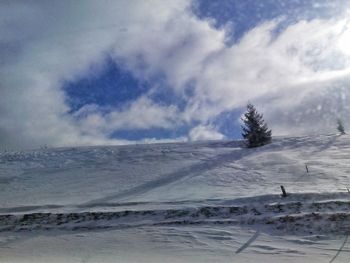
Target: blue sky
x,y
124,72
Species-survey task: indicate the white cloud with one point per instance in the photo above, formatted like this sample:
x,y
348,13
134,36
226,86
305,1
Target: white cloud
x,y
140,114
54,42
202,132
46,43
261,64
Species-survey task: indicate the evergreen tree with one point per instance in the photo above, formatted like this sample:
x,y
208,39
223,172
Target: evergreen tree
x,y
340,127
255,130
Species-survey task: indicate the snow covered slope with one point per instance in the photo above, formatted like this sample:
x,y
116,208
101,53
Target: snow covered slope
x,y
214,196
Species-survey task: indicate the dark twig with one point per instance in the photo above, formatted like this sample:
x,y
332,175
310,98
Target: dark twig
x,y
340,249
246,244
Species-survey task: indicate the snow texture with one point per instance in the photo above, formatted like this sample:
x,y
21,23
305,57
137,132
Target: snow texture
x,y
213,201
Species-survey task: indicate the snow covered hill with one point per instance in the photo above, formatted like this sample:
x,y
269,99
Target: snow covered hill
x,y
186,202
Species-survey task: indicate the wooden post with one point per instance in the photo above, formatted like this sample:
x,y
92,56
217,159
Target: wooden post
x,y
284,193
307,169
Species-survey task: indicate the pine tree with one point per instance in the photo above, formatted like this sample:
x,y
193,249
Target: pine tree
x,y
340,127
255,130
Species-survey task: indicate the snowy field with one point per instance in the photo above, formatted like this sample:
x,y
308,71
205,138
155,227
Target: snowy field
x,y
181,202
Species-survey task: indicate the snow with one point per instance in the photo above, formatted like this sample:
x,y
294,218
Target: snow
x,y
211,201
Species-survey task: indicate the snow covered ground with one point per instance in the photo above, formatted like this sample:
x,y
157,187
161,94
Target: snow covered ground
x,y
181,202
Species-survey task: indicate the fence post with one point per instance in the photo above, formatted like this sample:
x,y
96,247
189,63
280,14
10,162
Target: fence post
x,y
284,193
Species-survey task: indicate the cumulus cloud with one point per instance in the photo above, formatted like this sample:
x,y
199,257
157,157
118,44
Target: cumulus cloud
x,y
48,43
140,114
203,132
43,44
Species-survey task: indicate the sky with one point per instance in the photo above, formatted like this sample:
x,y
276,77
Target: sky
x,y
117,72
